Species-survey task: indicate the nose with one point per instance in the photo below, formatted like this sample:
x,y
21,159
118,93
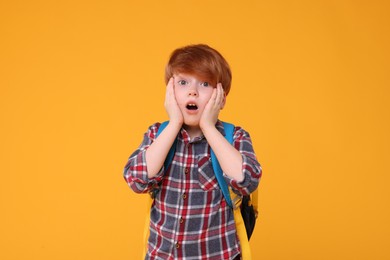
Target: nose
x,y
193,91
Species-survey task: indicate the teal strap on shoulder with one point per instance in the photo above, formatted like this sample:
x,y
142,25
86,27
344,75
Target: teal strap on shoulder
x,y
229,131
171,152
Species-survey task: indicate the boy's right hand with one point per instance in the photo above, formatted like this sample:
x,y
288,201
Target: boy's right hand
x,y
174,113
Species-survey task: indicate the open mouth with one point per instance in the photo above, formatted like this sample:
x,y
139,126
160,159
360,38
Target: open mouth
x,y
192,107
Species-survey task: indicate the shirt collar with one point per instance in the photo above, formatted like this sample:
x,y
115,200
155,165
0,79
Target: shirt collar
x,y
186,137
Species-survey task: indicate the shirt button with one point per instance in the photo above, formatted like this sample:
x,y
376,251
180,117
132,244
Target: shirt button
x,y
181,220
186,171
184,196
177,245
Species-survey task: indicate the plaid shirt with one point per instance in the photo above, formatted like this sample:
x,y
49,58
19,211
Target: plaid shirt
x,y
190,218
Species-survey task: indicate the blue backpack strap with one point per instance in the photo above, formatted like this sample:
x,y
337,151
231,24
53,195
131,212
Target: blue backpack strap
x,y
229,131
171,152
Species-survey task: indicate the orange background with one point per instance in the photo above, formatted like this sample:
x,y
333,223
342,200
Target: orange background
x,y
80,82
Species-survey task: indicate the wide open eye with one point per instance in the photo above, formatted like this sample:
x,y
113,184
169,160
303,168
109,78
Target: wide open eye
x,y
205,84
182,82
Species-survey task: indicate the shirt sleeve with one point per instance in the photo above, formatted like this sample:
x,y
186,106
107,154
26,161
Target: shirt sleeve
x,y
136,172
251,168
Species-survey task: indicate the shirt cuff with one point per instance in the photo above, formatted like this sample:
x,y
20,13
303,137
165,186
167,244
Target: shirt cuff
x,y
252,174
139,172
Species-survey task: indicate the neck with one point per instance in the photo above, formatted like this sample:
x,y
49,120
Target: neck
x,y
193,131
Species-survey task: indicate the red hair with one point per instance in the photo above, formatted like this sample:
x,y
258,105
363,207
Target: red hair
x,y
200,60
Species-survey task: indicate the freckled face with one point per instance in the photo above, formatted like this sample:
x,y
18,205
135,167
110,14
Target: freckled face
x,y
192,96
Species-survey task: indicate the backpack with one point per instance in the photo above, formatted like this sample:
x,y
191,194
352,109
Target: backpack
x,y
244,208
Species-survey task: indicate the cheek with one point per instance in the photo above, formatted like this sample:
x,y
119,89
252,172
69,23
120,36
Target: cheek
x,y
208,93
179,97
206,97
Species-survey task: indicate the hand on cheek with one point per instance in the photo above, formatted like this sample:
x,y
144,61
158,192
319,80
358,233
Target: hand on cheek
x,y
174,113
211,112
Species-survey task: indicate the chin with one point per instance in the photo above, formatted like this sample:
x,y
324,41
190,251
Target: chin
x,y
191,123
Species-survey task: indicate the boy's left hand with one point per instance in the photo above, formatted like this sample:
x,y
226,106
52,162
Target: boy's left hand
x,y
211,111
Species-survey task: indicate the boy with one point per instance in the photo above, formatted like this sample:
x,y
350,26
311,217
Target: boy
x,y
190,218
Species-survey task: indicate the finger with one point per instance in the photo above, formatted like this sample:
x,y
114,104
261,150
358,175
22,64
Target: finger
x,y
219,95
170,83
167,89
213,96
169,93
170,86
223,101
222,97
